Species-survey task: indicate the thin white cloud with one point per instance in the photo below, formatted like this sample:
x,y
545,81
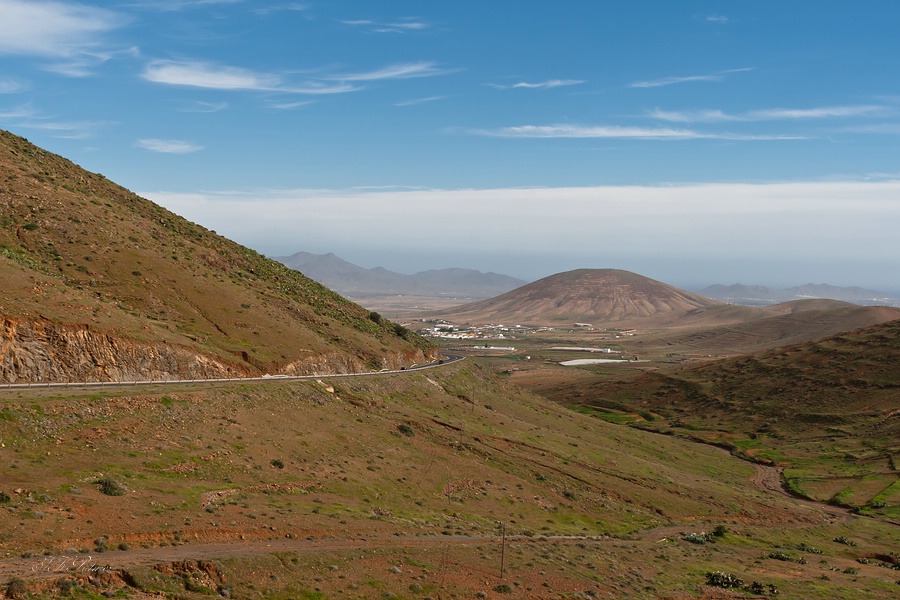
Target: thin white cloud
x,y
12,86
420,101
290,7
75,130
289,105
222,77
878,129
396,71
618,132
697,116
718,19
773,114
206,107
822,223
53,29
27,117
550,83
825,112
652,83
674,80
204,75
178,5
168,146
20,112
401,26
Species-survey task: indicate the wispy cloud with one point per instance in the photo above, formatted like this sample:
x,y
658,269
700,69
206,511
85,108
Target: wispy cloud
x,y
73,130
550,83
206,107
25,111
420,101
178,5
168,146
774,114
396,71
288,6
222,77
826,112
619,132
27,117
405,25
289,105
53,29
878,129
11,86
718,76
204,75
718,19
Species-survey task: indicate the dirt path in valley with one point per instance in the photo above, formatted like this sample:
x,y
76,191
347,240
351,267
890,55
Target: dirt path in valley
x,y
769,479
40,567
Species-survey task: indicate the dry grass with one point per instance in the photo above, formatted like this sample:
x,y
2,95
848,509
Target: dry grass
x,y
357,493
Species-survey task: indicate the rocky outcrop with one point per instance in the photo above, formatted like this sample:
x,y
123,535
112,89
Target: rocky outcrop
x,y
43,351
339,363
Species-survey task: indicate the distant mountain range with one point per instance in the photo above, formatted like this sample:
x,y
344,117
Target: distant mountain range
x,y
758,295
354,281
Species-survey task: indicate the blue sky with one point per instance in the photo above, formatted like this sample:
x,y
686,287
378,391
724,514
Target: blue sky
x,y
692,142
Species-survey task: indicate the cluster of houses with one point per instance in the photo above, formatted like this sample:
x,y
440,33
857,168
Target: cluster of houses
x,y
438,328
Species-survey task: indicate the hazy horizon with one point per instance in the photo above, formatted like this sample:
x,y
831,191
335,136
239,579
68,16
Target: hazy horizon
x,y
370,260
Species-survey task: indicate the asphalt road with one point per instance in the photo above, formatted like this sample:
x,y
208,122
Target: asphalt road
x,y
449,359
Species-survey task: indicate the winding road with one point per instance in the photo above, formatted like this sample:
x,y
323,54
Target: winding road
x,y
446,360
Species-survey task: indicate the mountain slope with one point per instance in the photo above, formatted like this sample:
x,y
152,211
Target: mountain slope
x,y
828,410
786,323
597,296
347,278
103,284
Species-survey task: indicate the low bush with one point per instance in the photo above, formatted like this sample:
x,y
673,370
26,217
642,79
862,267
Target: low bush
x,y
111,487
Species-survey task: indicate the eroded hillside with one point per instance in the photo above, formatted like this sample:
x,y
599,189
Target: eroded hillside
x,y
90,269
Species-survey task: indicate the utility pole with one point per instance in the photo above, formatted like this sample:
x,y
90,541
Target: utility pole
x,y
502,548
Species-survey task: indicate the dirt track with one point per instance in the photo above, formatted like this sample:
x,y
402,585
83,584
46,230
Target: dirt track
x,y
34,567
766,478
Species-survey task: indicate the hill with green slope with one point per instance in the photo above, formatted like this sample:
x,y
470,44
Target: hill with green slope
x,y
828,411
102,284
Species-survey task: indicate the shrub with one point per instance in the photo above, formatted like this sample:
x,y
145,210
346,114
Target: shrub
x,y
503,589
842,540
4,498
786,557
697,538
16,588
405,429
401,331
723,580
277,463
111,487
